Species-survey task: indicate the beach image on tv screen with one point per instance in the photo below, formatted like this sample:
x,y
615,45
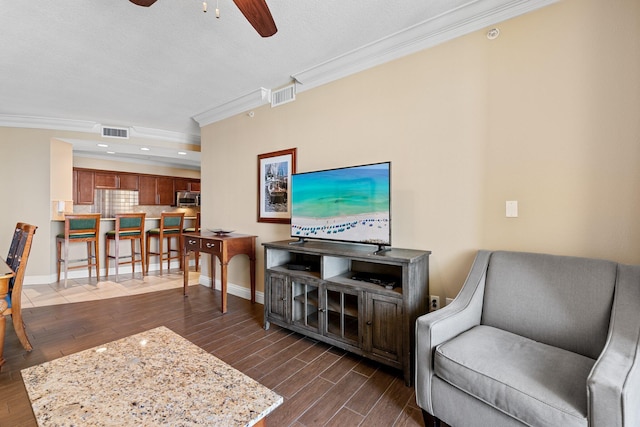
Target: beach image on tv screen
x,y
348,204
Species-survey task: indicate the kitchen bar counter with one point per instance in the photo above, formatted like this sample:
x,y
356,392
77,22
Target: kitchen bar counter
x,y
146,219
78,251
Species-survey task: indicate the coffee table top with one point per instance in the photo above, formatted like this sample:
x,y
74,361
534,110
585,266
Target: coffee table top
x,y
154,377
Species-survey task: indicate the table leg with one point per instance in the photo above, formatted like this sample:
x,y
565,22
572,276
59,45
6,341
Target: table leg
x,y
212,270
252,273
185,272
223,285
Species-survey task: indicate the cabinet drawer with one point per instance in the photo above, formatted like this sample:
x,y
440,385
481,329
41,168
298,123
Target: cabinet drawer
x,y
210,246
192,243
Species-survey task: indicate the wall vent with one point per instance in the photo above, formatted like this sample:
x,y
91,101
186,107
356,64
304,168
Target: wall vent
x,y
284,95
111,132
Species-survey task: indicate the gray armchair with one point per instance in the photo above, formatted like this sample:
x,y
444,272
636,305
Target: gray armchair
x,y
534,340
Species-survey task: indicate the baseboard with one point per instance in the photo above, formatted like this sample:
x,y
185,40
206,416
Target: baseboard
x,y
233,289
83,273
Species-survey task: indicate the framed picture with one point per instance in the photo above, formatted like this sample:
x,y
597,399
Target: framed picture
x,y
274,175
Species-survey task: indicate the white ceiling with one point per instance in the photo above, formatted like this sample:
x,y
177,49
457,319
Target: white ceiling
x,y
166,70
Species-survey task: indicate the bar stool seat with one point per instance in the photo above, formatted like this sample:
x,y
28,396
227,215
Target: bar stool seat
x,y
171,225
128,226
79,228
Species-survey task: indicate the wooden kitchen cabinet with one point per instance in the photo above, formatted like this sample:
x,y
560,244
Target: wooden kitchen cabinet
x,y
166,193
116,181
147,190
128,181
106,180
152,189
186,184
181,184
155,190
84,186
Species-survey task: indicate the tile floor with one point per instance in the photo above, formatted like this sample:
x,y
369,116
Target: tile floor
x,y
78,290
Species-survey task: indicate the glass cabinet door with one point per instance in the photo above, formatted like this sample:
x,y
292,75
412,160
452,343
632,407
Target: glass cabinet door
x,y
306,308
342,314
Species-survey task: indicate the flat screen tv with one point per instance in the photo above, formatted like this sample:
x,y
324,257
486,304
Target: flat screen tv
x,y
350,204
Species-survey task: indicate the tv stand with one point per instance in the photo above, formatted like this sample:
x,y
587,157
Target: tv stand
x,y
363,302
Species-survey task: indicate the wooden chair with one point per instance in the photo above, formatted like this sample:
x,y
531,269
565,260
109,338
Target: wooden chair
x,y
17,260
128,226
79,228
195,229
171,225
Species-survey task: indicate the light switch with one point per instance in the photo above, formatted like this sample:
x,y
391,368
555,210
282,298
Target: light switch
x,y
512,208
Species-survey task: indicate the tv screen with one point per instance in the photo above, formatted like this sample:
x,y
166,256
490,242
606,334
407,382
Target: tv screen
x,y
351,204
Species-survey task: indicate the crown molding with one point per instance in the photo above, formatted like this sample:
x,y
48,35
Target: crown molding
x,y
463,20
164,135
49,123
93,127
246,102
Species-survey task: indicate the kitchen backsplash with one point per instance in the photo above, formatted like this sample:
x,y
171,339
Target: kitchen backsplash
x,y
111,202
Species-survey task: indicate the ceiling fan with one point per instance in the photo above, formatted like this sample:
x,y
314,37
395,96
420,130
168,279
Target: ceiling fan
x,y
256,11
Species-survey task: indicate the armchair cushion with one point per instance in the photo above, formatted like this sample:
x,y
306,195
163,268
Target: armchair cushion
x,y
533,382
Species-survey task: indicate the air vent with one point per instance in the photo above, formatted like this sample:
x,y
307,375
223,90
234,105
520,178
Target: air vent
x,y
111,132
284,95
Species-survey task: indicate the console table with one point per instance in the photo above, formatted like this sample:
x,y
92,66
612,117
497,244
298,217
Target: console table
x,y
225,247
349,296
5,275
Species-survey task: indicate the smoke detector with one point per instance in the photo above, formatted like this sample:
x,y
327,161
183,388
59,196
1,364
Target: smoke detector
x,y
493,33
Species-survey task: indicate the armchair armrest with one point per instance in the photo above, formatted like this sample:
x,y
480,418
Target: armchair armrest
x,y
434,328
613,387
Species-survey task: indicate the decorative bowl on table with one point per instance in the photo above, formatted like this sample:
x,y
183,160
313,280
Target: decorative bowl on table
x,y
220,231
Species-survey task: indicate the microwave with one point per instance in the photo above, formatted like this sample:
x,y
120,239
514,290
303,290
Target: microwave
x,y
187,198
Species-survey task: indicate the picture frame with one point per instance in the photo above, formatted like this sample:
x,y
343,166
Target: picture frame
x,y
274,176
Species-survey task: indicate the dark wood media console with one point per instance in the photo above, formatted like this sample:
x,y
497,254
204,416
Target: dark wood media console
x,y
350,296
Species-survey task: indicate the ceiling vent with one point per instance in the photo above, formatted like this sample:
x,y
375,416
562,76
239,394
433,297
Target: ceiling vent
x,y
284,95
111,132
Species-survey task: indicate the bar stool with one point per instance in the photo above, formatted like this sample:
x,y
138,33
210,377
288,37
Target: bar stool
x,y
171,224
195,229
79,228
128,226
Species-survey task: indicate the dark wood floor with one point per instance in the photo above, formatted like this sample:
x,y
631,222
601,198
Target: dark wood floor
x,y
321,385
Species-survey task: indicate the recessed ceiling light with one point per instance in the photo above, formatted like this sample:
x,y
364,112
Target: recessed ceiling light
x,y
103,145
182,153
145,149
111,152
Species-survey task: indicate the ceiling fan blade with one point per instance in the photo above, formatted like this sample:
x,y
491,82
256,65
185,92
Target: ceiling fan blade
x,y
258,14
145,3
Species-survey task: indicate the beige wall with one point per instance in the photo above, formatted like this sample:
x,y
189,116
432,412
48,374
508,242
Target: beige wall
x,y
25,191
547,114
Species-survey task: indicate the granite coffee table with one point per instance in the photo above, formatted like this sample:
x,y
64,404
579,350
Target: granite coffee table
x,y
151,378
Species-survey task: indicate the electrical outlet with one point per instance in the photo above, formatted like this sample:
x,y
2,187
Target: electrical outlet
x,y
434,302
